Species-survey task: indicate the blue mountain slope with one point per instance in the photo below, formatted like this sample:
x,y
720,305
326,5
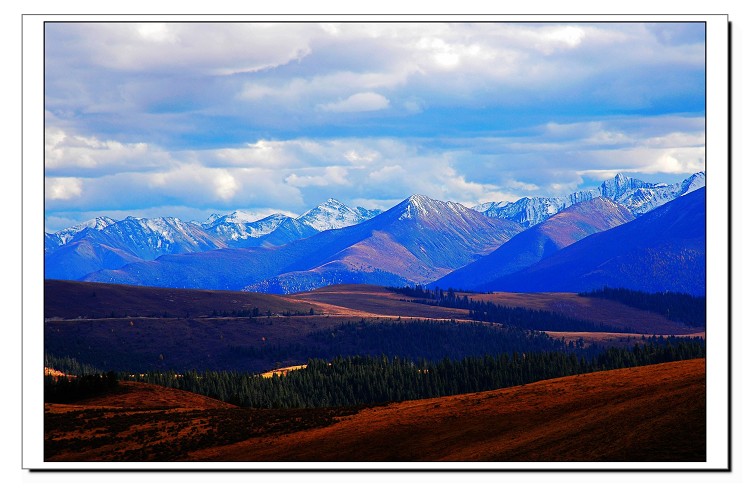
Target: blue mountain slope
x,y
539,242
663,250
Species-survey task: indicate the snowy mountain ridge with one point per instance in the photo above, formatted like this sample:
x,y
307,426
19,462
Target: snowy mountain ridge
x,y
637,195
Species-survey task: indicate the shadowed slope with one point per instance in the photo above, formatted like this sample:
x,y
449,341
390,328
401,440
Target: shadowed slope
x,y
654,413
539,242
663,250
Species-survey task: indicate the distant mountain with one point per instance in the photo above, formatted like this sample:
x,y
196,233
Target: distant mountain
x,y
333,214
96,245
103,243
77,259
149,238
417,241
541,241
420,240
54,240
638,196
51,242
240,230
663,250
413,242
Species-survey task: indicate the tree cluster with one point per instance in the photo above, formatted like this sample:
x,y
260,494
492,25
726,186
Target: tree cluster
x,y
358,380
69,365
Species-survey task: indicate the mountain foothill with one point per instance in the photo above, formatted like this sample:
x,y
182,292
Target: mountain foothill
x,y
625,233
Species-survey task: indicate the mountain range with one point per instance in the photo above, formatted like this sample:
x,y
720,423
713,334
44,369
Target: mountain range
x,y
525,245
239,229
416,241
663,250
103,243
638,196
540,241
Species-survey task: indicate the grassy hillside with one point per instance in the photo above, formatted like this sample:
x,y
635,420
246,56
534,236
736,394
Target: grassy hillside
x,y
654,414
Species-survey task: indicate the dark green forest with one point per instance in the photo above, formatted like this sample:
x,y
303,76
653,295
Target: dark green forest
x,y
69,365
366,380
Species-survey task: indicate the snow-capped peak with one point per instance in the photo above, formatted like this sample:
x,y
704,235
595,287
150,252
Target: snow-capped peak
x,y
330,215
695,182
487,206
421,206
99,223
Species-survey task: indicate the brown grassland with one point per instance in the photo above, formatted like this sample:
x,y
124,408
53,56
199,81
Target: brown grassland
x,y
653,413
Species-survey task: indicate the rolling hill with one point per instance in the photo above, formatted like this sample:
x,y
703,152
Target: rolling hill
x,y
645,414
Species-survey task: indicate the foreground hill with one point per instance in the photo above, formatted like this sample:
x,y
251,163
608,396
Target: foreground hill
x,y
539,242
654,413
645,414
663,250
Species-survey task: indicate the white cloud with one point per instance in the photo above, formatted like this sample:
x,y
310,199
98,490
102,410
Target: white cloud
x,y
71,152
290,174
550,39
527,187
204,48
331,175
225,185
62,188
263,153
359,102
387,174
367,156
156,32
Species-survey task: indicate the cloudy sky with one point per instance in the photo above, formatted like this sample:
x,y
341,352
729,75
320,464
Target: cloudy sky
x,y
191,119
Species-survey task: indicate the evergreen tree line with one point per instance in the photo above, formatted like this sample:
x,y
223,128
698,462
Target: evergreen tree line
x,y
690,310
363,380
523,318
69,389
69,365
